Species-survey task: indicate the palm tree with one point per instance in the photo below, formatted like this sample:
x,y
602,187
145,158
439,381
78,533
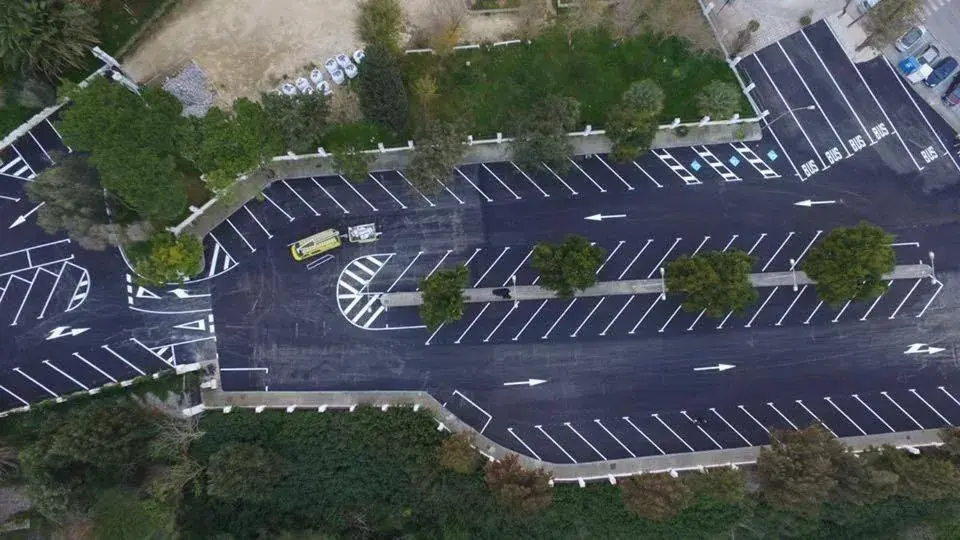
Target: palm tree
x,y
44,37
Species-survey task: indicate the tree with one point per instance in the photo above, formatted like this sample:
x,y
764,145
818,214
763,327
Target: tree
x,y
951,440
120,513
9,463
457,453
583,16
242,471
859,481
921,478
534,15
520,490
542,133
719,100
352,163
643,98
301,120
446,25
796,472
380,22
166,258
443,296
715,281
632,125
888,20
654,496
569,266
45,37
439,148
73,202
722,484
146,182
850,262
383,96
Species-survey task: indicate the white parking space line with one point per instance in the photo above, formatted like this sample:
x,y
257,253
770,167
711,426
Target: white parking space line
x,y
262,228
714,411
666,324
480,191
558,177
65,374
312,209
413,187
530,320
635,257
949,395
805,250
23,303
645,173
875,100
113,352
470,258
556,322
772,406
657,416
614,437
394,284
49,123
924,116
20,399
242,237
351,186
787,312
927,403
502,253
753,159
617,316
615,173
704,311
649,309
36,382
790,110
162,359
332,198
585,440
33,173
525,175
42,149
754,418
592,311
935,293
904,301
777,252
842,311
592,181
769,296
875,302
730,243
473,322
502,183
665,255
757,243
53,289
436,266
815,417
814,98
470,401
390,193
814,312
448,190
610,256
87,362
685,415
499,324
640,431
873,412
702,242
277,206
830,401
434,334
525,445
886,395
837,86
562,449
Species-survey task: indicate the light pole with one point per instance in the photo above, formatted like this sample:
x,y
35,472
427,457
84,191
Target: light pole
x,y
781,115
793,272
663,284
933,268
513,284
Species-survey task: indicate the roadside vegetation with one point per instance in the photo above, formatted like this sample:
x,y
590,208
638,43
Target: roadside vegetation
x,y
443,296
850,262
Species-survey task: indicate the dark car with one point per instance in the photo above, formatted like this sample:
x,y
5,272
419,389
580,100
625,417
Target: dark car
x,y
941,71
952,97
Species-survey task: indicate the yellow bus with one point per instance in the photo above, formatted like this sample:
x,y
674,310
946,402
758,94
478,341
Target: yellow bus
x,y
316,244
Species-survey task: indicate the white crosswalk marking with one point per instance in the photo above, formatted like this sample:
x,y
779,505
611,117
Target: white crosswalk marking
x,y
675,166
714,162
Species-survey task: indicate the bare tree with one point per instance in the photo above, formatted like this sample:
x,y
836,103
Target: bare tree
x,y
534,15
446,25
585,15
888,20
174,435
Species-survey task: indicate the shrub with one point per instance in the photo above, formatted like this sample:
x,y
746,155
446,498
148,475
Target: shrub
x,y
380,22
383,95
753,25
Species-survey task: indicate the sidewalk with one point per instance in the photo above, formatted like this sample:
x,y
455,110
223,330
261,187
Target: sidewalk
x,y
562,472
633,286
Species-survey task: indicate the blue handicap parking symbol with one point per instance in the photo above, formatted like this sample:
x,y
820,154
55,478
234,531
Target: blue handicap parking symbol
x,y
734,160
772,155
695,165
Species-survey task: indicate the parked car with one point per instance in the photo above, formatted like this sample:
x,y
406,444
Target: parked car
x,y
303,85
288,89
952,97
343,61
941,71
316,76
910,38
351,70
928,55
358,56
334,70
324,88
866,5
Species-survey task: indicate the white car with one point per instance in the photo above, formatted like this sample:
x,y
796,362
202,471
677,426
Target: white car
x,y
358,56
334,70
343,61
316,76
324,88
303,85
351,70
288,89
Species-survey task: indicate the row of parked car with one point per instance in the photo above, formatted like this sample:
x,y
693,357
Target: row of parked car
x,y
927,66
340,68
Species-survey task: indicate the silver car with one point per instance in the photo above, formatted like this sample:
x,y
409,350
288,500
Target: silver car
x,y
910,38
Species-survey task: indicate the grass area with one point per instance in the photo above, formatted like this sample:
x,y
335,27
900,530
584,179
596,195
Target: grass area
x,y
488,88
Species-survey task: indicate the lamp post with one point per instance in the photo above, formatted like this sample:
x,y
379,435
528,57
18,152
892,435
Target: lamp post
x,y
793,272
663,284
513,284
933,268
781,115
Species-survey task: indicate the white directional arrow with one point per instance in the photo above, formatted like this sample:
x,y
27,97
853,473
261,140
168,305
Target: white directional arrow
x,y
920,348
601,217
62,331
181,294
718,367
808,203
23,219
528,382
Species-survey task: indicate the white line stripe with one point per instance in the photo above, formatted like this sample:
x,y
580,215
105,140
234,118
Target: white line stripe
x,y
658,184
637,256
614,437
53,289
714,411
830,401
754,418
312,209
242,237
540,427
25,162
555,323
875,302
814,98
436,266
610,256
60,371
769,296
577,331
502,253
664,327
649,309
327,193
435,332
26,295
927,403
36,382
468,400
657,266
475,319
842,310
617,316
111,351
649,440
935,293
886,395
774,256
102,372
275,205
413,187
264,229
4,388
351,186
499,324
557,176
771,405
904,301
525,175
502,183
815,417
480,191
615,173
949,395
592,181
448,190
814,312
510,431
603,457
856,397
162,359
516,337
383,187
657,416
394,284
684,413
42,149
787,312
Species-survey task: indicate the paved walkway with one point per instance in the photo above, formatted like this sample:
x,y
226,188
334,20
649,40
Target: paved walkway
x,y
562,472
634,286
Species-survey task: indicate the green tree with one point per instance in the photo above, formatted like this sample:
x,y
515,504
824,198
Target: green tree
x,y
951,440
457,454
380,22
542,133
443,296
568,266
859,481
888,20
797,472
722,484
520,490
715,281
654,496
439,148
301,120
45,37
921,478
632,125
166,258
850,262
242,471
73,202
383,95
719,100
121,513
352,163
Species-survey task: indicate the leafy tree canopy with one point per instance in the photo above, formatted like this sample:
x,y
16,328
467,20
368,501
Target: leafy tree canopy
x,y
166,258
45,37
632,125
850,262
542,133
888,20
719,100
715,281
568,266
301,120
443,296
380,22
722,484
438,150
654,496
352,163
457,453
796,472
520,490
383,95
243,471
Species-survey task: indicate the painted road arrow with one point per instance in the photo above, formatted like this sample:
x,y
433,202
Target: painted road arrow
x,y
808,203
23,219
601,217
920,348
528,382
182,293
718,367
62,331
